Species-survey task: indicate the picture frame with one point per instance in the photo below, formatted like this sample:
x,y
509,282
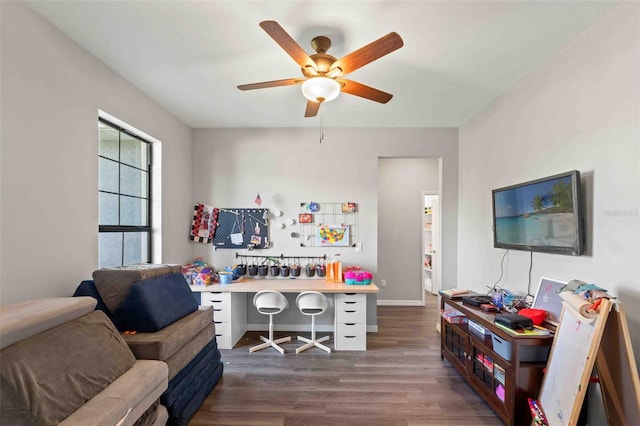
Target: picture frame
x,y
348,207
305,218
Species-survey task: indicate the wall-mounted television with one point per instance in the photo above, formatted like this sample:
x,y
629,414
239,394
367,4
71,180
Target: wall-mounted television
x,y
542,215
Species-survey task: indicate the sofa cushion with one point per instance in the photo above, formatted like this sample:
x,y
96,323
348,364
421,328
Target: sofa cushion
x,y
153,304
164,344
46,377
181,383
186,353
188,403
114,284
88,288
28,318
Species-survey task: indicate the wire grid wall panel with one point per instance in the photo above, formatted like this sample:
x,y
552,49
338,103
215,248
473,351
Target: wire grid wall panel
x,y
327,214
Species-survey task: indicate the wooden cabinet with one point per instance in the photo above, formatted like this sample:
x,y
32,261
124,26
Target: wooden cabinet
x,y
501,377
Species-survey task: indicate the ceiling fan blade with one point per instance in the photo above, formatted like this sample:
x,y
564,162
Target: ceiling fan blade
x,y
369,53
293,49
359,89
312,109
274,83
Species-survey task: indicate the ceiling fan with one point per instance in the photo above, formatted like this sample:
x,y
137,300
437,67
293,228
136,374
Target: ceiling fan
x,y
323,74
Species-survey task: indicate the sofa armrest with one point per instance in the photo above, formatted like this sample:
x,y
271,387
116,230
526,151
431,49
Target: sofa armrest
x,y
125,399
26,319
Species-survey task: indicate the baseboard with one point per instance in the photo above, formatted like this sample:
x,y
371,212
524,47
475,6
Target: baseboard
x,y
400,303
306,328
320,328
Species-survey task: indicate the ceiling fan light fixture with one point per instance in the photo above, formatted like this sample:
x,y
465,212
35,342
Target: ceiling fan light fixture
x,y
320,89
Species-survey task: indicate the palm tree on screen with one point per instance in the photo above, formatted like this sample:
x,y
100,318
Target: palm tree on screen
x,y
536,203
561,196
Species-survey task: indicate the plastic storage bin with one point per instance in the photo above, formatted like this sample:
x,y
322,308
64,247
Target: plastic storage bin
x,y
527,353
358,277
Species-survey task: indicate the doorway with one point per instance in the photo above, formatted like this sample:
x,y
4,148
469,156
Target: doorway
x,y
431,241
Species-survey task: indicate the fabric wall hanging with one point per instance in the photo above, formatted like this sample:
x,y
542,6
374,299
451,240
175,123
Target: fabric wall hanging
x,y
205,222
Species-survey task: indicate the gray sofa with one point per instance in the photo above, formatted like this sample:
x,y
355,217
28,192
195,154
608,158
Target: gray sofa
x,y
62,362
155,302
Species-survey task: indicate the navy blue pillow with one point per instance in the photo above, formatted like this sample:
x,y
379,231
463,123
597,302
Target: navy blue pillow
x,y
88,288
153,304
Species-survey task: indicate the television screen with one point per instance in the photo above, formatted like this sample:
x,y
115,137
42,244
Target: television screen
x,y
542,215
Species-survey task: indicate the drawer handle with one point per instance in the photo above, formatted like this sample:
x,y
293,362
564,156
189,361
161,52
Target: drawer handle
x,y
350,303
217,322
350,294
350,312
349,323
350,337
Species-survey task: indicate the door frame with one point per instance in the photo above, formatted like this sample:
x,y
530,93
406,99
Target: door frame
x,y
438,246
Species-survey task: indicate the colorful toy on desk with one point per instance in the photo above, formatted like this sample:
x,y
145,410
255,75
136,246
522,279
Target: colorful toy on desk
x,y
197,273
358,277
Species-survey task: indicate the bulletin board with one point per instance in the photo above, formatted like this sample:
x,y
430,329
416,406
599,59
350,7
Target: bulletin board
x,y
241,228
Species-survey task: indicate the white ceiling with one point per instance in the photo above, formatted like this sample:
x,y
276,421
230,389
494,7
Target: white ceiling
x,y
189,56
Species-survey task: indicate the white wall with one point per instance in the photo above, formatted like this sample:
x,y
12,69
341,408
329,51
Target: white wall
x,y
290,166
51,93
580,110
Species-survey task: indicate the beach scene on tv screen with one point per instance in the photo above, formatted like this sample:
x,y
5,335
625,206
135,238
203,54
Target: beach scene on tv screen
x,y
539,214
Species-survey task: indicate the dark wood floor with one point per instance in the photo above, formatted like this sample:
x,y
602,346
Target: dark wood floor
x,y
399,380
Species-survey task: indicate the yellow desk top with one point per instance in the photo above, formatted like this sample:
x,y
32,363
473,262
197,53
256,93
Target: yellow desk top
x,y
285,285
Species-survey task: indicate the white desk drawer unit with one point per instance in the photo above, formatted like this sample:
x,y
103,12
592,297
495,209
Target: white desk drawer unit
x,y
231,303
350,332
229,315
221,303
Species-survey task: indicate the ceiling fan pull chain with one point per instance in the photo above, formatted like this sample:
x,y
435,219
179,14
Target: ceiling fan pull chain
x,y
321,127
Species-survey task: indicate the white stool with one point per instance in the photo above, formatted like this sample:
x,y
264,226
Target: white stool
x,y
312,303
271,303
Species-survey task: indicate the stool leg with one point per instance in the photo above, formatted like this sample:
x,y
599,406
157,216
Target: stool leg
x,y
313,342
269,341
321,346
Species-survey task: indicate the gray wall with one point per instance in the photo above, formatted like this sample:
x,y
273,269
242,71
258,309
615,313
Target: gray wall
x,y
290,166
580,110
401,182
51,93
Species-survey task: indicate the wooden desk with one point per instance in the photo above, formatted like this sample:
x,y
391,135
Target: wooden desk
x,y
229,302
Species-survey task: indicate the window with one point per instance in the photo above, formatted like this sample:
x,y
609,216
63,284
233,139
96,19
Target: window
x,y
124,193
